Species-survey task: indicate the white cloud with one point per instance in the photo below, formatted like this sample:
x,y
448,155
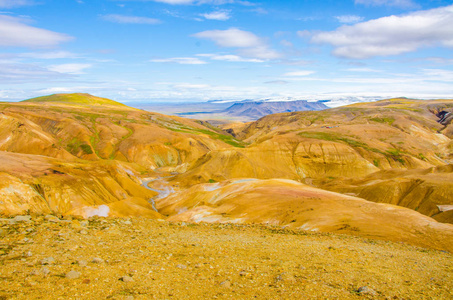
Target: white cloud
x,y
392,35
69,68
122,19
367,70
23,73
189,86
303,33
14,3
231,58
299,73
349,19
181,60
250,44
232,37
49,55
14,33
221,15
396,3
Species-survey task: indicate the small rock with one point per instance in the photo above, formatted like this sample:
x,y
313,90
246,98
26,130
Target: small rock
x,y
83,231
82,263
97,260
366,290
84,223
130,298
22,219
45,271
127,222
126,279
225,284
285,277
51,218
182,267
48,261
73,274
29,254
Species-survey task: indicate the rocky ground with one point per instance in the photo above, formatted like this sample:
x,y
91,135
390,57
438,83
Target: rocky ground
x,y
43,257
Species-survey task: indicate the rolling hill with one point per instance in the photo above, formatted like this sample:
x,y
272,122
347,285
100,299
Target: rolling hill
x,y
77,154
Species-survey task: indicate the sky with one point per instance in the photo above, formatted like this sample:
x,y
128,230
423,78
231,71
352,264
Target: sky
x,y
200,50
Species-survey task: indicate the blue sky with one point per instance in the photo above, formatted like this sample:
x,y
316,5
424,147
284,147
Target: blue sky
x,y
198,50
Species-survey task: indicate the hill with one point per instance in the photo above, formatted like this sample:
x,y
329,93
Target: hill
x,y
291,169
76,98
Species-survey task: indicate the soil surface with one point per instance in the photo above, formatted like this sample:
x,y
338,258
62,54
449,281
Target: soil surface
x,y
44,257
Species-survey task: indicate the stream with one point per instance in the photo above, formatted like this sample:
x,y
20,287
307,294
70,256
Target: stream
x,y
162,193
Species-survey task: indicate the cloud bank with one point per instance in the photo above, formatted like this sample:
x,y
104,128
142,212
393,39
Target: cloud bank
x,y
391,35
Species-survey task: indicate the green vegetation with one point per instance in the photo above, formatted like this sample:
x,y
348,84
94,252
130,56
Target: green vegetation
x,y
422,157
178,127
77,98
76,145
376,162
212,181
395,154
386,120
335,138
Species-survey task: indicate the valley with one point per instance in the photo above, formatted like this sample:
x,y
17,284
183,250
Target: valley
x,y
378,171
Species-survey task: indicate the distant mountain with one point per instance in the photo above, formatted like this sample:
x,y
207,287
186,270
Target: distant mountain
x,y
258,109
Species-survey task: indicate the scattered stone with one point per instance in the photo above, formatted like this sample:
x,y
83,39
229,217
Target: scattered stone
x,y
29,254
225,284
73,274
83,231
182,267
82,263
126,279
48,261
367,291
84,223
21,219
52,218
130,297
45,271
97,260
127,222
285,277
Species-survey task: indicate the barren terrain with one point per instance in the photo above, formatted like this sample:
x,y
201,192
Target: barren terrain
x,y
140,258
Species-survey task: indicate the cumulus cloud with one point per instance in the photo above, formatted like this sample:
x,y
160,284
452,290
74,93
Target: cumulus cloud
x,y
396,3
14,33
14,3
349,19
231,58
221,15
391,35
122,19
181,60
69,68
250,44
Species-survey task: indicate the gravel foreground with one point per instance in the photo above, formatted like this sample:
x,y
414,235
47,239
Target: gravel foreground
x,y
44,257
